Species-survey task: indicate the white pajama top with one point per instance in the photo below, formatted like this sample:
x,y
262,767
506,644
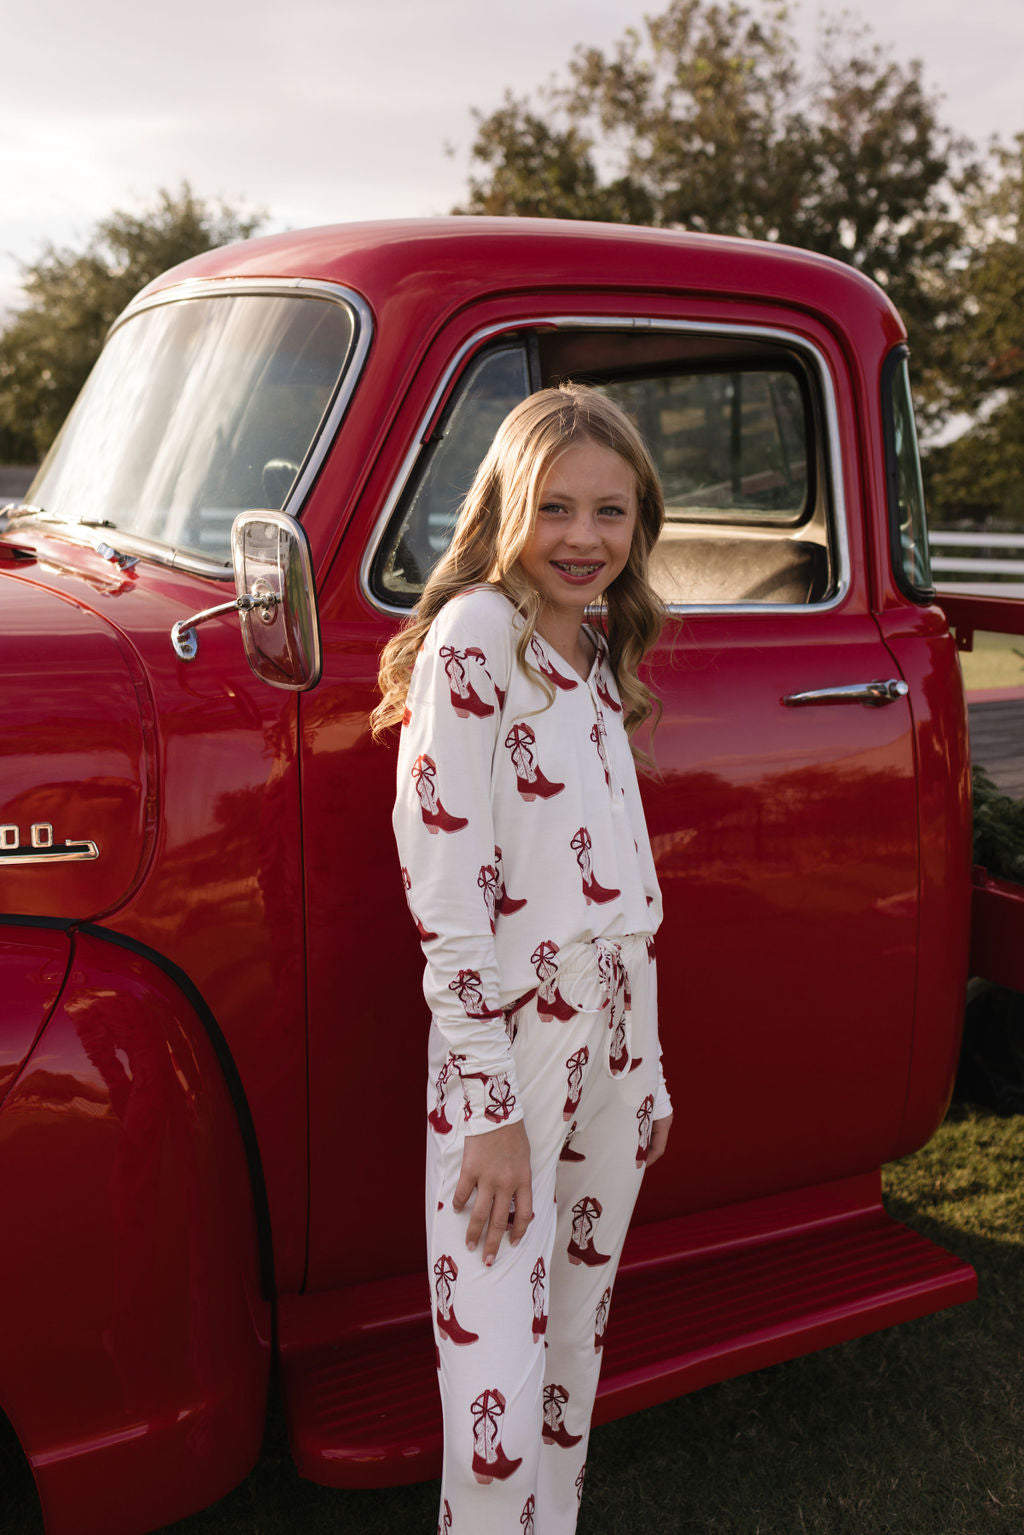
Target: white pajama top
x,y
520,832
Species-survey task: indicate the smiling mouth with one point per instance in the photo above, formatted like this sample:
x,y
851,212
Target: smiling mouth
x,y
568,568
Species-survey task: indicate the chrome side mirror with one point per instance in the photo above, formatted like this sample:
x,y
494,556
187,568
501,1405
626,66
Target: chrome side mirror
x,y
276,602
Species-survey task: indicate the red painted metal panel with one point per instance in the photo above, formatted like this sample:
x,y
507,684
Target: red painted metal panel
x,y
33,963
80,768
997,930
221,895
925,655
124,1176
966,613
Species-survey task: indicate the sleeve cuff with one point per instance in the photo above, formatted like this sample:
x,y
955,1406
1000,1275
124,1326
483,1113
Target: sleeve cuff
x,y
489,1101
662,1101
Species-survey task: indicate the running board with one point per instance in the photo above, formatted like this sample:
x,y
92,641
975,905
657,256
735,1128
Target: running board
x,y
698,1300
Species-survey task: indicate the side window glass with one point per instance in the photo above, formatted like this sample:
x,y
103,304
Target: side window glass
x,y
908,523
492,385
746,520
734,429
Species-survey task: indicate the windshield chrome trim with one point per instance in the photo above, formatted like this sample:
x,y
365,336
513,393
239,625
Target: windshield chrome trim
x,y
649,325
219,287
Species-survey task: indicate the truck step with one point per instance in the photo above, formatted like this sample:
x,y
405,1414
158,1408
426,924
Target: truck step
x,y
363,1408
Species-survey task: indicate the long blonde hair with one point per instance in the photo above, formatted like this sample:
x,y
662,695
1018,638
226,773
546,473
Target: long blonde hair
x,y
495,524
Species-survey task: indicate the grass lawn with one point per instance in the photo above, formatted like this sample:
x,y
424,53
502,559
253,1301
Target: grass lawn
x,y
996,661
914,1431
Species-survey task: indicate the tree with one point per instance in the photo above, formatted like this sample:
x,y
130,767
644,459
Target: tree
x,y
73,297
706,119
981,474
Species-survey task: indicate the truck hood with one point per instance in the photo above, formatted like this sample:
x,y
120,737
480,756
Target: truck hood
x,y
77,791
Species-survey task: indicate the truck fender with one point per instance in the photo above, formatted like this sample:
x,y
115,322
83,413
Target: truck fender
x,y
135,1326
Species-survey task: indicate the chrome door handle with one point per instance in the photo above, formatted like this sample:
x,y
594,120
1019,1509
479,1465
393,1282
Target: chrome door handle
x,y
874,693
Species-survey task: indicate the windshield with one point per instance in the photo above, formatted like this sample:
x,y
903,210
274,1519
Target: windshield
x,y
197,410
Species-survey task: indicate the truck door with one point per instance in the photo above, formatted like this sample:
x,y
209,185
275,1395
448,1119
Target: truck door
x,y
782,806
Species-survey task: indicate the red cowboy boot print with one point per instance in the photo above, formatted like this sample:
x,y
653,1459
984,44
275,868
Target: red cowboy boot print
x,y
554,1430
581,844
446,1519
579,1483
550,1002
446,1272
597,735
567,1153
435,816
505,906
586,1213
618,1048
650,942
604,693
530,781
576,1065
489,1458
548,669
526,1517
437,1118
407,882
465,700
612,974
645,1123
501,1100
487,880
538,1283
614,979
601,1319
467,986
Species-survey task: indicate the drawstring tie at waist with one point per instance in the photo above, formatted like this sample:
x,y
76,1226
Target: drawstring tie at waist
x,y
594,977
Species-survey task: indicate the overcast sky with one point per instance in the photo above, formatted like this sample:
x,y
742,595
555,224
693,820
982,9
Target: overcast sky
x,y
325,110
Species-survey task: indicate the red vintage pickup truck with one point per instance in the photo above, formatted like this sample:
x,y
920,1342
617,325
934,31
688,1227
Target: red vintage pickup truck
x,y
210,981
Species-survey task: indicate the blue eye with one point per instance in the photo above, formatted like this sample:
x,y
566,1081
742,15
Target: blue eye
x,y
551,508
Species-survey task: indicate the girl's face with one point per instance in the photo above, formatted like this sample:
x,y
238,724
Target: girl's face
x,y
586,518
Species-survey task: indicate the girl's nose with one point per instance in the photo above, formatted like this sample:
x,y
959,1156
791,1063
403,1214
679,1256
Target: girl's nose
x,y
581,533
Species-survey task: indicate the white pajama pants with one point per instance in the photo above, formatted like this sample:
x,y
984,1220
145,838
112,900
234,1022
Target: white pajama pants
x,y
519,1344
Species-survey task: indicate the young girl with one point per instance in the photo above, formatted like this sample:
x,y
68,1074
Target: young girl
x,y
528,871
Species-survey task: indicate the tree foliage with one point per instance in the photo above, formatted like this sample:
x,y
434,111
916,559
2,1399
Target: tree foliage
x,y
706,118
980,475
73,297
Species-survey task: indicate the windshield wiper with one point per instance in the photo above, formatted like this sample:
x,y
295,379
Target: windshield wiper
x,y
39,514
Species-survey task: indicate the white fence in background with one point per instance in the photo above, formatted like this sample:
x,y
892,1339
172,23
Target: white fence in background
x,y
971,568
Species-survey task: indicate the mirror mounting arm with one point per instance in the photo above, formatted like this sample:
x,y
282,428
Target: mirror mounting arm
x,y
276,602
183,634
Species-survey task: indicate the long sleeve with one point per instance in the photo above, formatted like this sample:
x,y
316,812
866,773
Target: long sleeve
x,y
444,827
662,1101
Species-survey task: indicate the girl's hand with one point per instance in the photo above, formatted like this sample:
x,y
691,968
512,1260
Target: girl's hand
x,y
497,1165
659,1139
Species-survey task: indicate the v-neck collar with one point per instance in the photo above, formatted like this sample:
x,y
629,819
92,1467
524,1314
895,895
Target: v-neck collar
x,y
600,649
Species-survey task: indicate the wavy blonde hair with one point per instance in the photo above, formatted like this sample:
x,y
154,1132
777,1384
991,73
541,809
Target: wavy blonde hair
x,y
495,524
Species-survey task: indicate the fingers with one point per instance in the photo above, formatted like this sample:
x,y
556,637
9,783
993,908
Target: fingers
x,y
496,1165
522,1213
496,1228
659,1139
479,1216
